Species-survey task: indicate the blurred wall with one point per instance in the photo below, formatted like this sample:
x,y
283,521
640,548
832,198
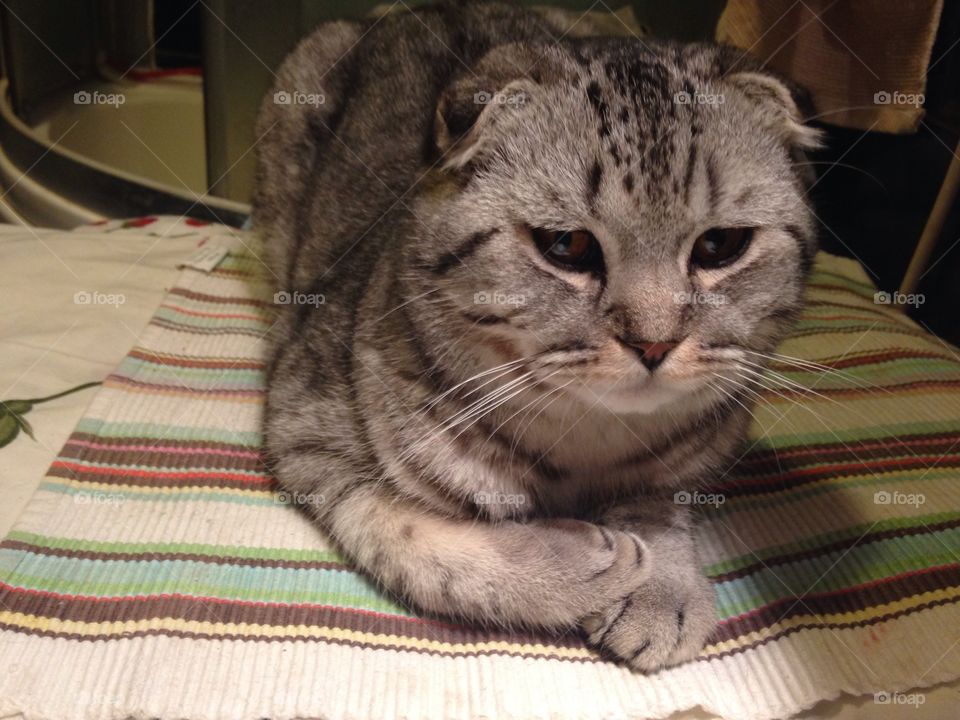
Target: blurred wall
x,y
243,45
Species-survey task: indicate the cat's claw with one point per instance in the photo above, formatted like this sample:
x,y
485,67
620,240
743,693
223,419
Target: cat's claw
x,y
663,622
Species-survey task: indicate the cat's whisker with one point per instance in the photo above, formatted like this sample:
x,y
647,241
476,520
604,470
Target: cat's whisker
x,y
845,166
532,402
480,405
758,381
827,427
424,411
510,366
788,384
405,303
811,366
781,417
478,414
733,396
501,402
847,408
522,429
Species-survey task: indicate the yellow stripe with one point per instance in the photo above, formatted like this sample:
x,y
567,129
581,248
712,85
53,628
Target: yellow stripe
x,y
292,632
835,618
300,632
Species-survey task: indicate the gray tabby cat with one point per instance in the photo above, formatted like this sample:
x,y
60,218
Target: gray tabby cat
x,y
538,257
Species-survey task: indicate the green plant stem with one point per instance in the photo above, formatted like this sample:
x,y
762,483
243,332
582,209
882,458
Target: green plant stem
x,y
78,388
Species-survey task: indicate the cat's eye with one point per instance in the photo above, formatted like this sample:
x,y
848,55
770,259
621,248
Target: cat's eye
x,y
575,250
720,246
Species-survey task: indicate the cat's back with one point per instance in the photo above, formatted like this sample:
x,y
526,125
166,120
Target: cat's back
x,y
345,132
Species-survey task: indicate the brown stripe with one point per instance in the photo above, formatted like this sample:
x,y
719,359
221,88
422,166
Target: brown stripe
x,y
827,330
886,444
792,480
200,445
196,609
875,311
592,658
21,546
868,358
189,608
213,364
789,393
219,299
160,460
220,329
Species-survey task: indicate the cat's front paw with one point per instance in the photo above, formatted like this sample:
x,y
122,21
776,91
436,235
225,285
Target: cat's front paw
x,y
664,622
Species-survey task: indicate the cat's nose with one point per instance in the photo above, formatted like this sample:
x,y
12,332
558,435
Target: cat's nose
x,y
652,353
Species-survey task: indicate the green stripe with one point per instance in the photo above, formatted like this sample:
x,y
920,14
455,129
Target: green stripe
x,y
140,368
838,570
159,434
117,495
239,552
822,276
789,495
815,542
866,433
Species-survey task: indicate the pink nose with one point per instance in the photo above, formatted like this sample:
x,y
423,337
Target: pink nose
x,y
652,353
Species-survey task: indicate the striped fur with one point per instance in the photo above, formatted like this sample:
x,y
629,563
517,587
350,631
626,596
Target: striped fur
x,y
431,369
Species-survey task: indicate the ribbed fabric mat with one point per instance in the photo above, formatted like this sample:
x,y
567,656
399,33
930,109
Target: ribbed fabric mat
x,y
157,572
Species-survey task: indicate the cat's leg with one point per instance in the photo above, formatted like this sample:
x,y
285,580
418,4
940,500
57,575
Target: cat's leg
x,y
541,574
668,618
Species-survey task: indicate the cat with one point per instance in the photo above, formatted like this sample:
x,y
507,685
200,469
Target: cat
x,y
521,281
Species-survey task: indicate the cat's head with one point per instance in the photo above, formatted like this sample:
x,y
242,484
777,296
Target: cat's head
x,y
631,217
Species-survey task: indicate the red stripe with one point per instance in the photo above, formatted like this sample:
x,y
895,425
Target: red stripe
x,y
850,468
222,316
126,472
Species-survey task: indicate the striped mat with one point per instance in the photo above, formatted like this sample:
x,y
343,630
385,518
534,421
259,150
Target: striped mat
x,y
158,572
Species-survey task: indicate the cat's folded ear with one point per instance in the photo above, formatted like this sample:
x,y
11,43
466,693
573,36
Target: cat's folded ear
x,y
502,82
782,103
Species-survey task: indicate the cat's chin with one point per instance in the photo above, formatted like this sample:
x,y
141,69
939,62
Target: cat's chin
x,y
642,397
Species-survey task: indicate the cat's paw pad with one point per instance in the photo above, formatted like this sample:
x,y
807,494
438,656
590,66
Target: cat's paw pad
x,y
663,622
